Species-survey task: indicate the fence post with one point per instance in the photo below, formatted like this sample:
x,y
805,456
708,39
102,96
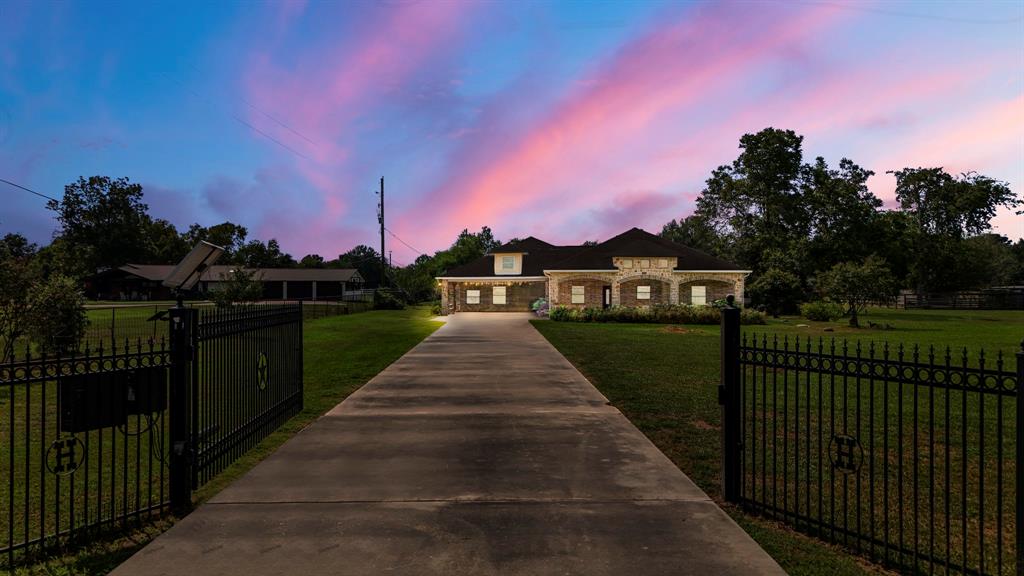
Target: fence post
x,y
181,325
1020,458
729,399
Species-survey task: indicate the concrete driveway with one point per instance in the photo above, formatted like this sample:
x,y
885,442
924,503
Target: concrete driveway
x,y
481,451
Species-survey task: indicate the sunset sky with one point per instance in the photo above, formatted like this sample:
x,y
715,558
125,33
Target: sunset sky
x,y
569,121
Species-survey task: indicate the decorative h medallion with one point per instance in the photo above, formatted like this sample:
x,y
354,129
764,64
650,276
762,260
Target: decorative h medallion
x,y
846,453
65,456
262,375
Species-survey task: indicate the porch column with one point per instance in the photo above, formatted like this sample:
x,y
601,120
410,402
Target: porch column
x,y
615,292
673,291
444,297
284,290
738,287
314,289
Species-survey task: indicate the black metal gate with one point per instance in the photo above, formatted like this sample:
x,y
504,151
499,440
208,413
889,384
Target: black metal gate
x,y
99,438
905,455
246,381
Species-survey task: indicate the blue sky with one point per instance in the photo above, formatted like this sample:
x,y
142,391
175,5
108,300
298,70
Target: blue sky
x,y
569,120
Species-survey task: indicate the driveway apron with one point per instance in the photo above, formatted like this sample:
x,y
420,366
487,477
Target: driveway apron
x,y
481,451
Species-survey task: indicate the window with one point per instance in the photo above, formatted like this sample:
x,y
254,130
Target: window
x,y
663,263
578,295
472,296
627,263
498,295
645,263
698,295
643,292
508,262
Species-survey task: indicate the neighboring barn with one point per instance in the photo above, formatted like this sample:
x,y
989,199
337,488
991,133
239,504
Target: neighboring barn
x,y
143,282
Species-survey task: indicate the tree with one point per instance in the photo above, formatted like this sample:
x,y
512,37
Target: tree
x,y
312,261
857,284
55,318
102,221
757,199
841,213
227,235
256,254
777,290
696,232
236,287
362,258
16,280
164,245
944,211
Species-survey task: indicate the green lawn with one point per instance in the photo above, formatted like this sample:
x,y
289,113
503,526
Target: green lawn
x,y
340,354
664,378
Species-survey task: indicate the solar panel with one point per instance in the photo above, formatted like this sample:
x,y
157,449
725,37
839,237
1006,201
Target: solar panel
x,y
187,273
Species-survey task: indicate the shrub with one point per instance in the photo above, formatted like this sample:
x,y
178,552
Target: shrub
x,y
777,290
386,300
541,307
435,308
236,287
822,310
56,315
752,317
659,314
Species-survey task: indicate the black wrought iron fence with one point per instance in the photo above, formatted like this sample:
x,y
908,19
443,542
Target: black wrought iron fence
x,y
83,441
903,454
103,437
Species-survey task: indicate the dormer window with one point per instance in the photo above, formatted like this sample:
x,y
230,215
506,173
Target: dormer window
x,y
508,264
627,263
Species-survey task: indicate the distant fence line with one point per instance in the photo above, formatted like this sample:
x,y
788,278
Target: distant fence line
x,y
992,299
113,327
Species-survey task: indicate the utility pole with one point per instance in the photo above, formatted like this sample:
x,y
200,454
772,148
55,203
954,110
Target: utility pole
x,y
380,218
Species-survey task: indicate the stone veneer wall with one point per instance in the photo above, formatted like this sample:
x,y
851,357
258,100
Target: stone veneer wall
x,y
716,290
660,291
593,292
720,284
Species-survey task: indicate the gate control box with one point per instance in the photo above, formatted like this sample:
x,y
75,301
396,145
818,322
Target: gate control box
x,y
105,399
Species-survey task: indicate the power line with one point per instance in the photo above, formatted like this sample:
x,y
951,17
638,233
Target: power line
x,y
30,191
406,243
265,113
237,118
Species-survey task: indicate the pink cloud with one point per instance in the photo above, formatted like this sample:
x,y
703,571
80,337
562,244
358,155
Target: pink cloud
x,y
329,91
584,141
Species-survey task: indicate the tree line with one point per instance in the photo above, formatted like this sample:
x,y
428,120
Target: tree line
x,y
808,229
805,229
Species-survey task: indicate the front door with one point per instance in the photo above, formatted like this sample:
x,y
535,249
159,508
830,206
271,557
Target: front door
x,y
607,296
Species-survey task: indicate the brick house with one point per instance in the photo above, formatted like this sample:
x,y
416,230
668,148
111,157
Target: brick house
x,y
635,268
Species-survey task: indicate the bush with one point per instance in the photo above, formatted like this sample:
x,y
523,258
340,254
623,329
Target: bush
x,y
659,314
822,310
435,308
56,315
385,300
541,307
778,291
236,287
752,317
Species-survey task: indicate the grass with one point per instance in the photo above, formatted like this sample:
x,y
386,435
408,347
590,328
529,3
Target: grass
x,y
664,378
340,354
